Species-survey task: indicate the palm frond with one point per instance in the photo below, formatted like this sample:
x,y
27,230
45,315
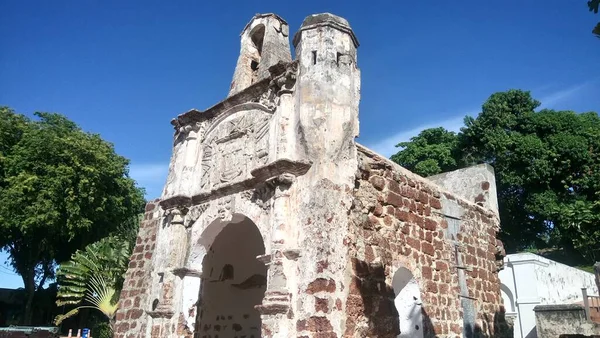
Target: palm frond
x,y
93,277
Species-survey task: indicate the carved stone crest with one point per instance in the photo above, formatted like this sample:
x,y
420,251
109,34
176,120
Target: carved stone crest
x,y
233,146
268,99
231,161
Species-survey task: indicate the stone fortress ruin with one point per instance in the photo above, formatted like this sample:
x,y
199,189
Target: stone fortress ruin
x,y
274,222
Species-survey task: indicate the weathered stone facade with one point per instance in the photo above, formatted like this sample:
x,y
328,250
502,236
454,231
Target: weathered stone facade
x,y
274,222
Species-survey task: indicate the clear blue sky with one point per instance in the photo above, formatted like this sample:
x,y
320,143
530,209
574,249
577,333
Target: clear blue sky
x,y
124,69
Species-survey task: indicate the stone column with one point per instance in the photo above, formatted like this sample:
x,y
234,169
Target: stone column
x,y
276,311
190,156
285,139
170,284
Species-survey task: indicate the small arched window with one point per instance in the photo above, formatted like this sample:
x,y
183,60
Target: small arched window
x,y
257,36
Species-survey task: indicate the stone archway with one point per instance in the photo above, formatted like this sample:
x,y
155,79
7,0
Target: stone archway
x,y
408,304
233,283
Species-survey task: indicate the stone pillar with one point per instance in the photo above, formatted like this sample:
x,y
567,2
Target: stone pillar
x,y
327,94
284,144
175,169
276,310
170,284
597,275
193,134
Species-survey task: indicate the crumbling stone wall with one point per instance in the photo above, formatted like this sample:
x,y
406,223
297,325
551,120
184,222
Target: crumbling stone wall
x,y
131,317
399,221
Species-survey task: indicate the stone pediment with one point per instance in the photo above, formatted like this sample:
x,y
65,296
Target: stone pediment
x,y
251,94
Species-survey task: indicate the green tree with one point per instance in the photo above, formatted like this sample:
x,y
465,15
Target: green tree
x,y
593,7
60,189
547,166
433,151
93,278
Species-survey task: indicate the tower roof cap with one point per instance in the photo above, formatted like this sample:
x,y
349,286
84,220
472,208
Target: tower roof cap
x,y
325,19
264,15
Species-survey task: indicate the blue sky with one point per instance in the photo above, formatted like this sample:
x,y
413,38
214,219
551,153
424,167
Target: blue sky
x,y
124,69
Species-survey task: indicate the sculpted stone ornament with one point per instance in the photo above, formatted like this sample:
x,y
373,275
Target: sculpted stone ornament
x,y
261,141
194,213
268,99
175,216
225,209
234,145
206,165
247,194
263,194
286,82
285,180
231,159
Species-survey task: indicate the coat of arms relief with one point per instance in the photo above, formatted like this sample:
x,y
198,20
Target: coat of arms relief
x,y
233,147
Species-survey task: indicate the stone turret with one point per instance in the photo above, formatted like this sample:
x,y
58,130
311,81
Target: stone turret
x,y
328,90
264,43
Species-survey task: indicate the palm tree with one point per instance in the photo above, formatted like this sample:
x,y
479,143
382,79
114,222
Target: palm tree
x,y
93,278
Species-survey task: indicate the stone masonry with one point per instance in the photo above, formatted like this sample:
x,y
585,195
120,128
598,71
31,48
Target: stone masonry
x,y
274,222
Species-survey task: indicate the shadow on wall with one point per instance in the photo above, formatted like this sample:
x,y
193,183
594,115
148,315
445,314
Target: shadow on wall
x,y
501,327
391,309
379,301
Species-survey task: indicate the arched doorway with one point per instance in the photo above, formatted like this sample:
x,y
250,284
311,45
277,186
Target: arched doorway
x,y
507,298
233,282
408,304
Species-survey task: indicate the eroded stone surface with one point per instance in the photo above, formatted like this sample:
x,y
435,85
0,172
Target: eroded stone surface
x,y
274,222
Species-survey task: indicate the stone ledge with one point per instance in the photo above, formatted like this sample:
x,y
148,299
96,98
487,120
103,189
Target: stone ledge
x,y
262,174
160,314
186,272
559,307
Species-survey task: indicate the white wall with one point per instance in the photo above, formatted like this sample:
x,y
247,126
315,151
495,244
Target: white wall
x,y
529,280
408,303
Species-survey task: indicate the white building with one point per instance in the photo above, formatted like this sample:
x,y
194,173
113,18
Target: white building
x,y
529,280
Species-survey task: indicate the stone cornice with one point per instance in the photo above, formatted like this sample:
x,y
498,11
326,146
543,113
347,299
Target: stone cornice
x,y
332,24
522,259
265,173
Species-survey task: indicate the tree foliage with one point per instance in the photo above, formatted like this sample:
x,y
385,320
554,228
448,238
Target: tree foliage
x,y
60,189
593,7
547,166
93,278
432,151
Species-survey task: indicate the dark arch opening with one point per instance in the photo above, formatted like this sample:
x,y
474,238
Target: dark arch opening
x,y
233,283
257,36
